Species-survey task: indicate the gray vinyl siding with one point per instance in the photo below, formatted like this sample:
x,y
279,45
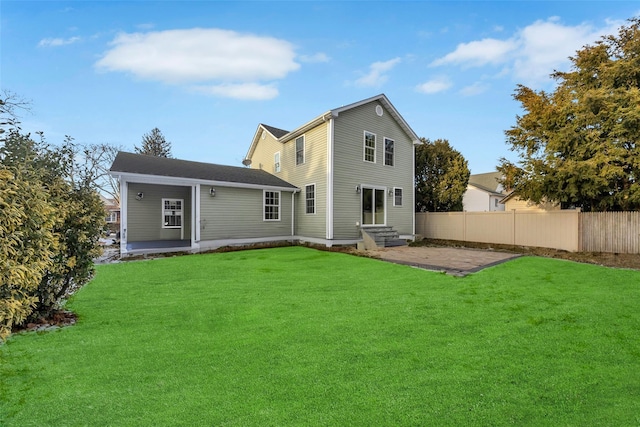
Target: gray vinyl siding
x,y
144,217
237,213
312,171
350,169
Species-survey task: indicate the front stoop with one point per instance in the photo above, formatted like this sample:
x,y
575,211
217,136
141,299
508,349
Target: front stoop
x,y
383,237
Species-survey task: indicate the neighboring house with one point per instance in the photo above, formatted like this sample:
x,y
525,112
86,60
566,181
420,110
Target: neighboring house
x,y
484,193
112,210
513,202
349,169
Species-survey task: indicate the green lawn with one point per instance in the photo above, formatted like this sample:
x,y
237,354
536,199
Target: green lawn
x,y
295,336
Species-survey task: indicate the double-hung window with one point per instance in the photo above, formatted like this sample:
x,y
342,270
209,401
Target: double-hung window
x,y
310,198
300,150
397,196
271,206
172,213
369,147
389,147
276,162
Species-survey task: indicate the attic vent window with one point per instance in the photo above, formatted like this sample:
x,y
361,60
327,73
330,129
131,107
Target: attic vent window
x,y
379,110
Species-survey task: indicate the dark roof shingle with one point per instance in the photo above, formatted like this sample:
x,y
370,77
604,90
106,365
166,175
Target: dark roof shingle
x,y
275,131
162,166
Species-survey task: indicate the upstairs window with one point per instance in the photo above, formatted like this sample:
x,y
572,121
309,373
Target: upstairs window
x,y
310,198
276,162
300,150
397,196
369,147
172,213
271,206
389,147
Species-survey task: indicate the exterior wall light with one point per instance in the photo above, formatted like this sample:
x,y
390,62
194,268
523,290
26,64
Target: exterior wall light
x,y
140,196
212,192
358,189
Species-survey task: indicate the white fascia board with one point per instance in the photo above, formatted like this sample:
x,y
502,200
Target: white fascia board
x,y
305,127
484,190
255,140
382,98
171,180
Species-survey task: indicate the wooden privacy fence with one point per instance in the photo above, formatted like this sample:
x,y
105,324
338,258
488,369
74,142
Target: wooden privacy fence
x,y
616,232
570,230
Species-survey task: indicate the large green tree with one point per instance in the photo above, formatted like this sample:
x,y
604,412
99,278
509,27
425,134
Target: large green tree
x,y
154,144
442,175
579,145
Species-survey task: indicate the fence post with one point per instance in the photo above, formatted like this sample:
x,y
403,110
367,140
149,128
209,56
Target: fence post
x,y
513,227
464,226
579,211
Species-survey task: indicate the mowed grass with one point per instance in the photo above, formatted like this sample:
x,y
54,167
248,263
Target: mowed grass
x,y
295,336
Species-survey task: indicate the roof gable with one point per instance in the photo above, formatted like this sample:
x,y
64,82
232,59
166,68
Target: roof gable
x,y
277,133
382,98
286,136
141,164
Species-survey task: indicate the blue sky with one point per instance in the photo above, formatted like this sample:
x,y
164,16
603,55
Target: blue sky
x,y
206,73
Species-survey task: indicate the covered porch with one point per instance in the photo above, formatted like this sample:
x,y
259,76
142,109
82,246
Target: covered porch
x,y
158,217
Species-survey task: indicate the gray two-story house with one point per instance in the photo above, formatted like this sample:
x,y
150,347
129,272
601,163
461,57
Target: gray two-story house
x,y
347,170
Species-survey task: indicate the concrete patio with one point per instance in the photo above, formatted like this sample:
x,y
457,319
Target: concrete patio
x,y
454,261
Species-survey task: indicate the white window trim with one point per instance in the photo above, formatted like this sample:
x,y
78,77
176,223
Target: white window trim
x,y
315,198
384,159
394,197
364,146
384,199
276,162
181,214
264,205
112,217
304,150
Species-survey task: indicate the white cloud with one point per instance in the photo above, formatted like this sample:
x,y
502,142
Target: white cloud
x,y
478,53
145,26
546,46
318,57
475,89
246,91
55,42
377,73
532,53
435,85
234,62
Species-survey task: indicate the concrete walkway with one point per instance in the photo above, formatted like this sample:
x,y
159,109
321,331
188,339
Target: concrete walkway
x,y
454,261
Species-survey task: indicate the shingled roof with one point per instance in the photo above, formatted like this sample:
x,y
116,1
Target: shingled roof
x,y
161,166
487,182
278,133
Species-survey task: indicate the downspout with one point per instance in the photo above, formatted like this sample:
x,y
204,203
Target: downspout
x,y
413,193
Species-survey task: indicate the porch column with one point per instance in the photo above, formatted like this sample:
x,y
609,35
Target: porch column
x,y
195,216
124,206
